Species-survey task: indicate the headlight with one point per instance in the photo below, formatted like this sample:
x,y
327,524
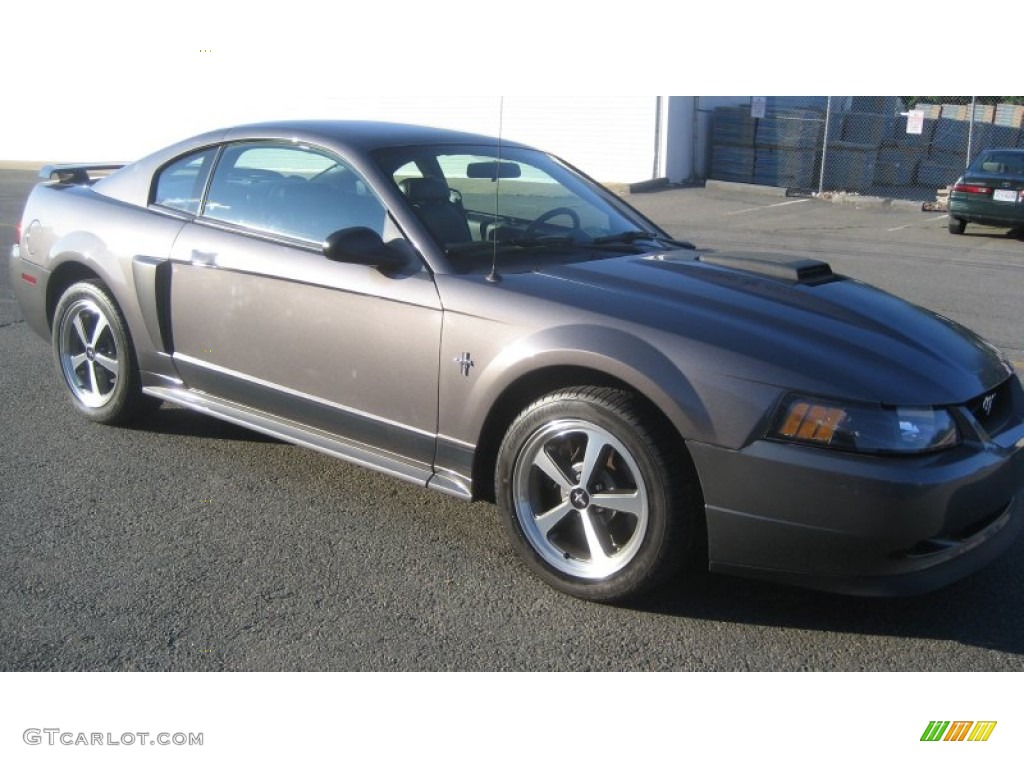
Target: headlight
x,y
863,428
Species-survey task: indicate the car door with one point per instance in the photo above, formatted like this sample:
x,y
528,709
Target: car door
x,y
260,317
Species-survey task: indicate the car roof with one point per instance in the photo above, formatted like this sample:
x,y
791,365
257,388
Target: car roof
x,y
355,138
359,135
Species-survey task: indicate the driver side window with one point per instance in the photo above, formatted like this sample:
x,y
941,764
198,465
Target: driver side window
x,y
292,191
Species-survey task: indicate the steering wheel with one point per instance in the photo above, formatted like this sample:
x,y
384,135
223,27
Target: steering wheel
x,y
533,226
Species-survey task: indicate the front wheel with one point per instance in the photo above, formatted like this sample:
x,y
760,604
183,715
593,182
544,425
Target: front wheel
x,y
94,355
596,495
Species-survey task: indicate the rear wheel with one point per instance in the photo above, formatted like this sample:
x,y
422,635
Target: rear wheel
x,y
94,356
594,494
956,226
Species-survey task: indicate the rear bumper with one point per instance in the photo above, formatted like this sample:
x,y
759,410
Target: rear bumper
x,y
860,524
986,212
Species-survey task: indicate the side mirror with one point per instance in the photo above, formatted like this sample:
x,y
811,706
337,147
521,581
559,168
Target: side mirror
x,y
361,245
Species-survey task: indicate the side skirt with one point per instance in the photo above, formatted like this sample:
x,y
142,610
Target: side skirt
x,y
297,434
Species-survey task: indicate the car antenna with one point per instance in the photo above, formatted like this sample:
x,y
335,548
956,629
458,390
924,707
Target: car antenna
x,y
494,277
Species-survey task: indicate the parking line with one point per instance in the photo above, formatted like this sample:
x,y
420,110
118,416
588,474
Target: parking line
x,y
907,226
773,205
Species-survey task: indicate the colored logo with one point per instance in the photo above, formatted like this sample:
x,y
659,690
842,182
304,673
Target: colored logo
x,y
958,730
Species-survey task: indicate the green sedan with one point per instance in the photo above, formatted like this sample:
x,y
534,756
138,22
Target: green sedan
x,y
991,191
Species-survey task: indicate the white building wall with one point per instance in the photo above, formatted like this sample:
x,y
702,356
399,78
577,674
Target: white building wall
x,y
609,137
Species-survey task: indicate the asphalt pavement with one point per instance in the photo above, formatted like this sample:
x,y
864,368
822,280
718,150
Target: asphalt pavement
x,y
190,544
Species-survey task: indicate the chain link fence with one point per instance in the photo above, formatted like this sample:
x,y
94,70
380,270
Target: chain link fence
x,y
889,146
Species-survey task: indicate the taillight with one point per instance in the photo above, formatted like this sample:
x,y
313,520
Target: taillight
x,y
972,188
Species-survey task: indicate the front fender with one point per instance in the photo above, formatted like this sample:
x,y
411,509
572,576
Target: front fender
x,y
470,392
610,351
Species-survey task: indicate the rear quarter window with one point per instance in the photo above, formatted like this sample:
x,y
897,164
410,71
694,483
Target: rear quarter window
x,y
180,185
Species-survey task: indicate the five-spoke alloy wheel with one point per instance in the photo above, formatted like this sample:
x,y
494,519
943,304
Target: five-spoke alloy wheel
x,y
592,496
580,499
94,355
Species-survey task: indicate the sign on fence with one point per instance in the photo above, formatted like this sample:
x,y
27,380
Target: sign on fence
x,y
915,121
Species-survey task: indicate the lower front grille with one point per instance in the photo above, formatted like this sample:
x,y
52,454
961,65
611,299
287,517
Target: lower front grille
x,y
937,544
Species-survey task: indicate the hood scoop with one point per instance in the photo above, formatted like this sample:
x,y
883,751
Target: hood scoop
x,y
802,271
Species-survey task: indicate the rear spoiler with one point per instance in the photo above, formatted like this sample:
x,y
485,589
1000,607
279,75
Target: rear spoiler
x,y
77,173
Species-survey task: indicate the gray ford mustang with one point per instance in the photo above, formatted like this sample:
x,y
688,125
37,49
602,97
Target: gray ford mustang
x,y
480,318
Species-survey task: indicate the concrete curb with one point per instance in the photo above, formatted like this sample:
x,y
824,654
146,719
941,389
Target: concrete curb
x,y
868,201
909,205
738,186
651,185
22,165
859,201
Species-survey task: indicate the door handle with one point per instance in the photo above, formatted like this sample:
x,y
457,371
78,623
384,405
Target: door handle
x,y
204,258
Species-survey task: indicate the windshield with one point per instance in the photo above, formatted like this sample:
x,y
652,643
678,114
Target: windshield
x,y
1004,163
523,205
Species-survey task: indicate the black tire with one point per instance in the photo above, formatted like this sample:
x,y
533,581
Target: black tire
x,y
956,226
95,358
562,528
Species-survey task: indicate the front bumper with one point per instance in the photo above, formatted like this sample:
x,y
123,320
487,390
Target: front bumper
x,y
862,524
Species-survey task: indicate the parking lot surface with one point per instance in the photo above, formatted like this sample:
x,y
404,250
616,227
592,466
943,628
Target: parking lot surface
x,y
190,544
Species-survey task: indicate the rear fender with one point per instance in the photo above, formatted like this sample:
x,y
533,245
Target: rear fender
x,y
138,286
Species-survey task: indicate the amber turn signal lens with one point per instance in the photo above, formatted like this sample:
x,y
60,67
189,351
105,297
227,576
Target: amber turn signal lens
x,y
814,423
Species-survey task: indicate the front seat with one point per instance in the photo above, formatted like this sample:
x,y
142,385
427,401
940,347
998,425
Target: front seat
x,y
431,199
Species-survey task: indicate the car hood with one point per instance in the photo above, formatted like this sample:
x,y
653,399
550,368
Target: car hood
x,y
836,336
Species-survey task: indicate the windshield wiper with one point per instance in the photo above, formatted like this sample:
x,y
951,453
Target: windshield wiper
x,y
541,241
639,234
626,237
487,246
479,247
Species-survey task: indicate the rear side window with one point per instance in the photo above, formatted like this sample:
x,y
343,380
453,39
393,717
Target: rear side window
x,y
294,191
180,184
